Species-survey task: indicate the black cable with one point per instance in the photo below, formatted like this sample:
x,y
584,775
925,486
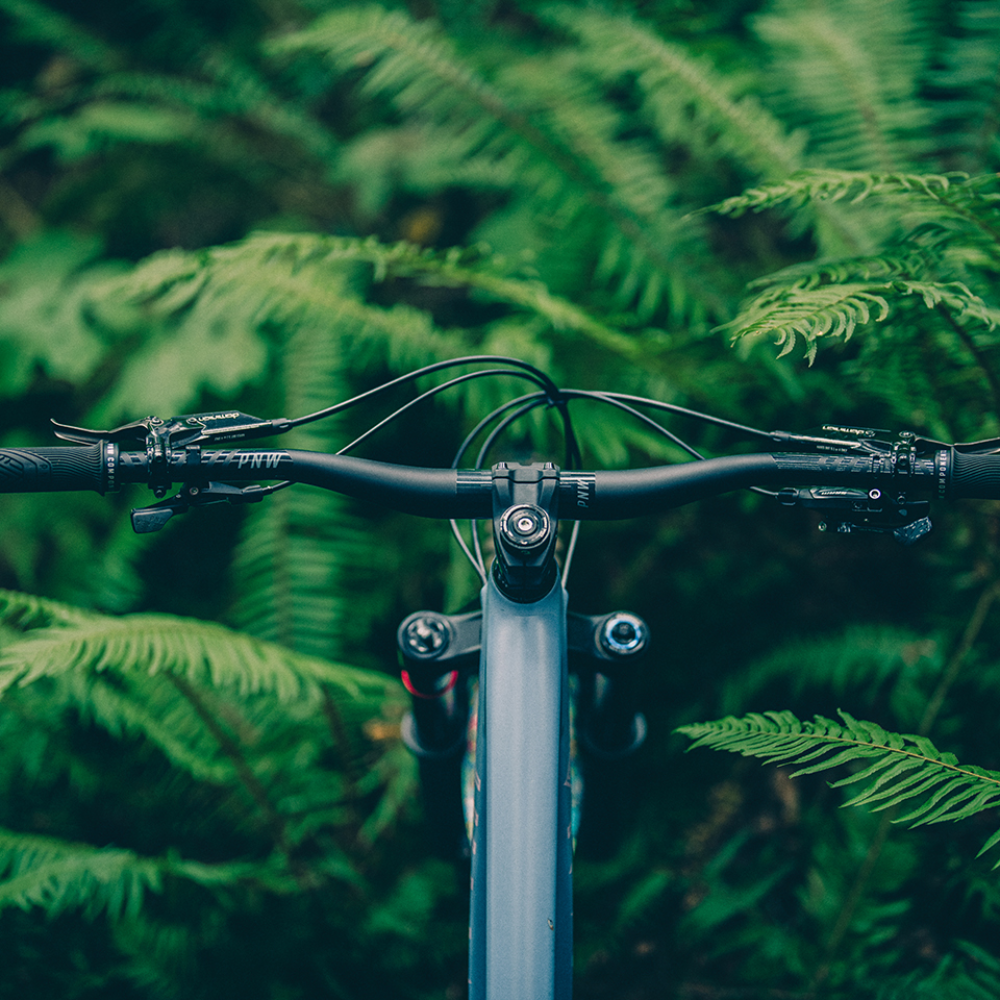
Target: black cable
x,y
616,400
433,392
540,376
487,444
477,565
532,400
659,428
501,427
487,420
684,412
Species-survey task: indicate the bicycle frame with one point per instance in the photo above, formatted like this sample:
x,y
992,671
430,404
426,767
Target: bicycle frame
x,y
522,852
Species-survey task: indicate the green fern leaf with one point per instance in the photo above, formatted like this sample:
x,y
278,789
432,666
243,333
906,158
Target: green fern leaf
x,y
803,308
546,136
868,662
897,769
300,277
851,74
681,91
59,875
968,117
837,185
41,23
26,611
201,652
785,314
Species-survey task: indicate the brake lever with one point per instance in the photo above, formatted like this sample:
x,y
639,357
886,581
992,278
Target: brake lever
x,y
849,510
154,517
135,431
178,432
844,439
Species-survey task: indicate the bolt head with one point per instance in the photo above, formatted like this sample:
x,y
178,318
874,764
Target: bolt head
x,y
425,636
524,527
623,634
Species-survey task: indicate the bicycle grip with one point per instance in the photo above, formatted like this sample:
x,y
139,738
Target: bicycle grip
x,y
45,470
975,477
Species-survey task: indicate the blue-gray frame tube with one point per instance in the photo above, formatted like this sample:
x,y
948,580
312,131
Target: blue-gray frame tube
x,y
521,927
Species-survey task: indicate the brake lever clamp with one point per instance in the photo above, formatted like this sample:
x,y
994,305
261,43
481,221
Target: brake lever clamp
x,y
849,510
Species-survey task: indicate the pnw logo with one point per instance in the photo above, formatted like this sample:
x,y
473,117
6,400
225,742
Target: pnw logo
x,y
258,459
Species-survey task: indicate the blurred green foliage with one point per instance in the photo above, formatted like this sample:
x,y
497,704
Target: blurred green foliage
x,y
273,205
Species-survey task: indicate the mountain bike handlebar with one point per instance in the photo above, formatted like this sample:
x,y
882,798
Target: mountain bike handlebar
x,y
450,493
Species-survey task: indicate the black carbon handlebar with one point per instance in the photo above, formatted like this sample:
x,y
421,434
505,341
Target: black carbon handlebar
x,y
450,493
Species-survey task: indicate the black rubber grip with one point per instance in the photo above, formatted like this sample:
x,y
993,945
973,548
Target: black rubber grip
x,y
974,477
45,470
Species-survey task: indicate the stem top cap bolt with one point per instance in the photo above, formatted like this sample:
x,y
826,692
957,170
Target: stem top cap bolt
x,y
524,526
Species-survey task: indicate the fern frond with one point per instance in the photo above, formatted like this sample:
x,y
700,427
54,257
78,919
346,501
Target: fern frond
x,y
682,92
545,135
26,611
895,770
47,280
851,74
291,275
41,23
949,240
868,661
836,185
939,212
968,112
201,652
58,875
832,310
968,972
293,553
98,124
810,310
236,89
151,708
